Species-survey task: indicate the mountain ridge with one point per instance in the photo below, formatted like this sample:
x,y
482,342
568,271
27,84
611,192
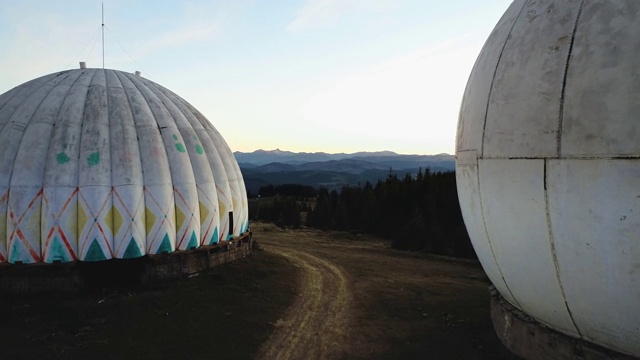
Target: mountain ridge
x,y
275,167
263,157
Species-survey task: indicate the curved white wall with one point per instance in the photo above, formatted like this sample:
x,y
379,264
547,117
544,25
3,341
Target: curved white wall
x,y
98,164
548,165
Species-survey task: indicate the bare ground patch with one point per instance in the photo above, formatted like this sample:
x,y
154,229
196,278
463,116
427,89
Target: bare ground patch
x,y
402,304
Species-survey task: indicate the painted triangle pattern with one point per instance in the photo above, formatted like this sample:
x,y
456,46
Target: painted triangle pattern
x,y
95,253
133,250
128,219
59,221
23,225
209,216
95,219
57,252
160,219
187,216
3,225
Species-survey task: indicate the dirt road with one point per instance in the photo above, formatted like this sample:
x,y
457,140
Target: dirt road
x,y
316,324
357,298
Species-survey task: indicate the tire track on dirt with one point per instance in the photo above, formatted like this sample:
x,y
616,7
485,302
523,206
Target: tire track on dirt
x,y
317,324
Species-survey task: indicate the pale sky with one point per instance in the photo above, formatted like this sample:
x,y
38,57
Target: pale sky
x,y
299,75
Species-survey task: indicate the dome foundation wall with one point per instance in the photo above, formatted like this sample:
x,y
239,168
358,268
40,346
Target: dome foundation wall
x,y
117,273
529,339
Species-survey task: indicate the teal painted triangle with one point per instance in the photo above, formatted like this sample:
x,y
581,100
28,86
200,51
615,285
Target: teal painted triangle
x,y
193,242
230,236
16,252
57,252
133,250
95,252
214,237
166,245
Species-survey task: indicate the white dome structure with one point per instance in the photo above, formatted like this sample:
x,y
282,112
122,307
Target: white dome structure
x,y
548,165
98,164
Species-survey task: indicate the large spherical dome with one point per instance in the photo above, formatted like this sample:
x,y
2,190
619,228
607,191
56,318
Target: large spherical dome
x,y
98,164
548,165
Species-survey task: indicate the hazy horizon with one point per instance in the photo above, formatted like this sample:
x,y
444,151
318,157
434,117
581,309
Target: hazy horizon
x,y
306,75
339,152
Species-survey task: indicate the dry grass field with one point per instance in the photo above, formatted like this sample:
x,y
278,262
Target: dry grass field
x,y
303,294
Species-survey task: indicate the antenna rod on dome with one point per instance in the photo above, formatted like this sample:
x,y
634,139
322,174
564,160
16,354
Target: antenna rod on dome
x,y
103,35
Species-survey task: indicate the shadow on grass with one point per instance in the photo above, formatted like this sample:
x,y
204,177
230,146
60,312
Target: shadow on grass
x,y
226,312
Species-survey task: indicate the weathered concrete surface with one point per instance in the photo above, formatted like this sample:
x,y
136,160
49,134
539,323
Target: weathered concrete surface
x,y
527,338
98,164
548,165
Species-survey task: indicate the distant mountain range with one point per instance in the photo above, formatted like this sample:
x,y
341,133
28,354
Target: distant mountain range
x,y
275,167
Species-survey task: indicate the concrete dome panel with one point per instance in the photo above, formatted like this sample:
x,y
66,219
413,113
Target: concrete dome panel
x,y
126,168
522,236
524,106
603,82
473,110
599,264
467,180
549,196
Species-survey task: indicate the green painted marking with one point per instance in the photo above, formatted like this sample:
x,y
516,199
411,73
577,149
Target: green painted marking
x,y
93,159
133,251
180,147
199,149
95,252
193,242
62,158
16,252
214,237
56,251
175,137
165,246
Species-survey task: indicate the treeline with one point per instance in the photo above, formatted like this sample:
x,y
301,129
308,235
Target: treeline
x,y
418,212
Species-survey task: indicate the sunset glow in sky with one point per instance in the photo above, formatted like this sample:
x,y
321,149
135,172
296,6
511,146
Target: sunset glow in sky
x,y
299,75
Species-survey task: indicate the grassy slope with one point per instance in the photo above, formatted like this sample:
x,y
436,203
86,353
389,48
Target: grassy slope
x,y
226,312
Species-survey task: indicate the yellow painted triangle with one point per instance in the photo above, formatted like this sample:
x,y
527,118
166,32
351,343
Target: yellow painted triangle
x,y
118,220
180,216
204,212
150,219
33,222
71,216
82,218
223,209
108,219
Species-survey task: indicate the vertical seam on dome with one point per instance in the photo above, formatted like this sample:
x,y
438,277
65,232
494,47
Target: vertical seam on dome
x,y
108,134
84,109
564,83
155,119
144,183
15,155
185,175
140,158
493,78
559,153
46,164
183,106
486,232
554,255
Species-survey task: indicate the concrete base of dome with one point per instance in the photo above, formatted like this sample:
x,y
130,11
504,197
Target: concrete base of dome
x,y
529,339
115,273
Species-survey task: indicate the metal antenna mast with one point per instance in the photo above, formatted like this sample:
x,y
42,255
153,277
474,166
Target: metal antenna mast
x,y
103,35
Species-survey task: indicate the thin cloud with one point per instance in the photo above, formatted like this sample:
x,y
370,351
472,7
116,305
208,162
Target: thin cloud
x,y
327,13
193,33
